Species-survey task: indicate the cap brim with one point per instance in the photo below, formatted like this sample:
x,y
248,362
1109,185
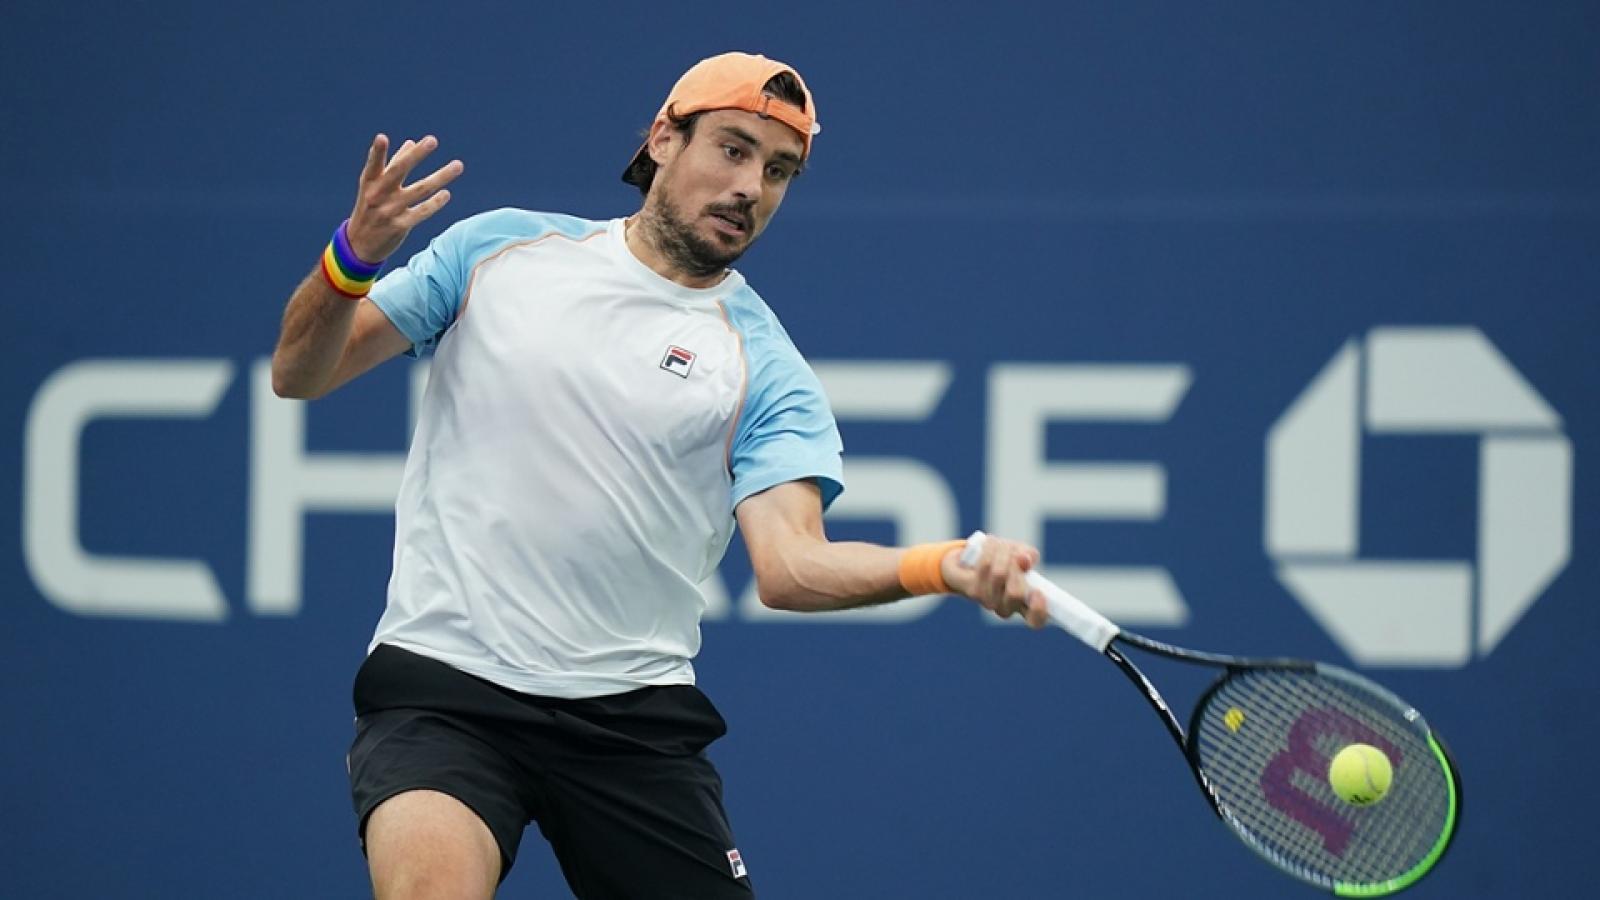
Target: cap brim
x,y
627,173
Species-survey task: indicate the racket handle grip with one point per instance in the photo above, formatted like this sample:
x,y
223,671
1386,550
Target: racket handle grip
x,y
1068,612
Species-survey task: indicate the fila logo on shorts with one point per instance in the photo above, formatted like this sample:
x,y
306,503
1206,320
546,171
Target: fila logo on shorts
x,y
678,361
734,862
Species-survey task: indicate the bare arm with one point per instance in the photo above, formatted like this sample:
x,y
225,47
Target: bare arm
x,y
328,338
797,568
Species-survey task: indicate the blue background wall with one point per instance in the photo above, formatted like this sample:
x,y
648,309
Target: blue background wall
x,y
1236,188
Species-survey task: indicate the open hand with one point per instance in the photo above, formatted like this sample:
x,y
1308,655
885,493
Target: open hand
x,y
386,207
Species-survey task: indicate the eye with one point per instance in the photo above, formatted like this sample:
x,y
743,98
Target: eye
x,y
778,173
733,151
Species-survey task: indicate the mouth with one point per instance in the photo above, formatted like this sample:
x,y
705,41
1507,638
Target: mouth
x,y
731,223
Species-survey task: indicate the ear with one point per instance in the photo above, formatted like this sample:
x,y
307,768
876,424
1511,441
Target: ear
x,y
663,141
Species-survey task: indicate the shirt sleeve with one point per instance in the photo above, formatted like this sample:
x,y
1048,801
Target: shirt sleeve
x,y
786,431
423,298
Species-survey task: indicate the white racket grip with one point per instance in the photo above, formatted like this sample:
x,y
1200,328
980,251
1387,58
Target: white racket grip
x,y
1071,614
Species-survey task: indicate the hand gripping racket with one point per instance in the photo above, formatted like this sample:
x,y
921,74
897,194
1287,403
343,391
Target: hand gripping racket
x,y
1260,742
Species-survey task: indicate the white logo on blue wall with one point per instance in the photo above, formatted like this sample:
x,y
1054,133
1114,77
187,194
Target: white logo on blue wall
x,y
1418,381
1395,381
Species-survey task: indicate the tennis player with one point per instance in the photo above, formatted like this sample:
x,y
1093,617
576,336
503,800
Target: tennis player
x,y
607,399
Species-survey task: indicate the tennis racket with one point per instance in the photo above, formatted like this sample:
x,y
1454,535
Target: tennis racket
x,y
1260,742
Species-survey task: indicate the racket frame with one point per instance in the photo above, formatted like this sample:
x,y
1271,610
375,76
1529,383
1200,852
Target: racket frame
x,y
1180,735
1100,633
1188,745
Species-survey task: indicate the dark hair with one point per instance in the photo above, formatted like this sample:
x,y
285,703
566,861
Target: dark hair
x,y
642,171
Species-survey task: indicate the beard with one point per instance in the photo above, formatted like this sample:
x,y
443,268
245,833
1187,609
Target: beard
x,y
682,245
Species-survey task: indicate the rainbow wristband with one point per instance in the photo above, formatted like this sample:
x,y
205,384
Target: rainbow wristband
x,y
347,273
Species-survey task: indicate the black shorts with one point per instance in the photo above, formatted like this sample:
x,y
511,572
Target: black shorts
x,y
620,786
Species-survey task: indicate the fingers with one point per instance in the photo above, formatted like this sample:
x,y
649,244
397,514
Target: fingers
x,y
425,209
1016,595
982,589
1000,581
380,179
406,159
375,156
429,195
442,176
1037,614
995,582
386,208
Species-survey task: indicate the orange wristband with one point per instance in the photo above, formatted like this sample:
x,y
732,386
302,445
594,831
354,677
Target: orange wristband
x,y
919,568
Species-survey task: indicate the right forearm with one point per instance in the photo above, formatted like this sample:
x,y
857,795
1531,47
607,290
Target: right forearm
x,y
316,326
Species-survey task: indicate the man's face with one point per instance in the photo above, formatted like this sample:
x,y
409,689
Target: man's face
x,y
713,196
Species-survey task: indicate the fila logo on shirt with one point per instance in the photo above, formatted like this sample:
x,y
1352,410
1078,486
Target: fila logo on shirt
x,y
736,863
678,361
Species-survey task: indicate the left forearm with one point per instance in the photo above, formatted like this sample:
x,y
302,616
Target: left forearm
x,y
818,575
799,569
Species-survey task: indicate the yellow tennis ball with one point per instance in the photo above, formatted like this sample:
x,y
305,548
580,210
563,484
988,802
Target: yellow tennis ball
x,y
1360,774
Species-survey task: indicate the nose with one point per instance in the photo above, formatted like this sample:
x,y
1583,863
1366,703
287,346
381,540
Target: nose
x,y
748,184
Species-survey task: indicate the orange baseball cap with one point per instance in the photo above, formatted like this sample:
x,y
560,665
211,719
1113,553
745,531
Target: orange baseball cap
x,y
735,81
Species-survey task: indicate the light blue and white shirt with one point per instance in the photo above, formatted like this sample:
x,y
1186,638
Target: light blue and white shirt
x,y
587,431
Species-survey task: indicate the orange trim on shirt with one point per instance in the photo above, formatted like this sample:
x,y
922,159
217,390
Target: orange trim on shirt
x,y
744,388
472,277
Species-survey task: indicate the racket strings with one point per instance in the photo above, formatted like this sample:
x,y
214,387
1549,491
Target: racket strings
x,y
1266,738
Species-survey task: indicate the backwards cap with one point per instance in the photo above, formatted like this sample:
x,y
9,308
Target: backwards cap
x,y
735,81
